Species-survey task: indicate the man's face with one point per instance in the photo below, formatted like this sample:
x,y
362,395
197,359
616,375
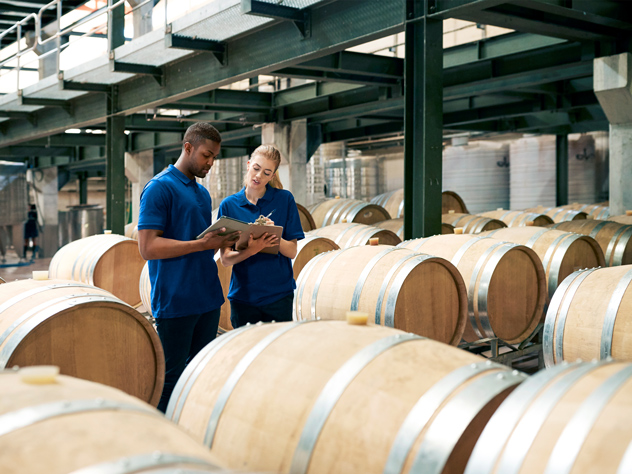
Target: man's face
x,y
201,157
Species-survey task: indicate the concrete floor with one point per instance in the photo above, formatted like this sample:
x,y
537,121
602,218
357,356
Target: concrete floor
x,y
12,269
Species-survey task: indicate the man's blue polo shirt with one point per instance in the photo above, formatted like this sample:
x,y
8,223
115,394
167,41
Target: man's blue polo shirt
x,y
181,208
264,278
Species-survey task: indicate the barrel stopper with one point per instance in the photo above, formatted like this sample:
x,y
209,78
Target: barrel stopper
x,y
530,223
107,232
458,230
343,221
39,374
357,318
40,275
628,213
451,211
374,241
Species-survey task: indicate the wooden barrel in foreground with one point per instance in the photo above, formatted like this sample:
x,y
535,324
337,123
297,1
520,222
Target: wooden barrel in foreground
x,y
559,214
519,218
397,226
307,221
329,397
561,253
109,261
572,418
614,239
393,202
84,330
505,284
308,248
471,223
333,211
352,235
418,293
590,317
596,211
62,425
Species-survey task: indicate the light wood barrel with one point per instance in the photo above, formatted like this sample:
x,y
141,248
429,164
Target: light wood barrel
x,y
351,235
590,317
506,284
561,253
393,202
131,230
71,425
596,211
144,288
84,330
109,261
307,221
519,218
307,249
397,226
329,397
471,223
418,293
333,211
451,201
614,239
622,219
570,418
559,214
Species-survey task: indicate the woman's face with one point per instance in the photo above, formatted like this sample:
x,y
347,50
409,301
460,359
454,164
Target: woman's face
x,y
259,172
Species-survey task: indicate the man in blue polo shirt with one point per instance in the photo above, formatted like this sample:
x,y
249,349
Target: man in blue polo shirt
x,y
186,294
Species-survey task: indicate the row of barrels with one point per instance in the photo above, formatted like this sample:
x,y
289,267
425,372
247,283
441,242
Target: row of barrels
x,y
325,396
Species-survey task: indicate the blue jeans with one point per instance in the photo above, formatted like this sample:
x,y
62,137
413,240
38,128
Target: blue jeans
x,y
182,338
242,313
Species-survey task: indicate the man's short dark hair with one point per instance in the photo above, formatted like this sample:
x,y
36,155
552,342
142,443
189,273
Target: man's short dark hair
x,y
200,131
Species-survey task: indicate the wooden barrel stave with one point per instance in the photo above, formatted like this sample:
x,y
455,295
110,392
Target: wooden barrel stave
x,y
84,330
295,367
381,281
491,271
307,221
559,214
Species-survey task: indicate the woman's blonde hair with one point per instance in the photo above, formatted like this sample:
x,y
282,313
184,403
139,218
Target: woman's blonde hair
x,y
270,153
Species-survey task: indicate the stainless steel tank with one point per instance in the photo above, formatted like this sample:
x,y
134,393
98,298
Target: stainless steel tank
x,y
13,193
80,221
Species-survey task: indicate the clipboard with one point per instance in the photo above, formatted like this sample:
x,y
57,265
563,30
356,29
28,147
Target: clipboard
x,y
234,225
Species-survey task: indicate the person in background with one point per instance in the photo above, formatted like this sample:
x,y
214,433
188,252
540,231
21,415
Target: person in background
x,y
186,294
30,231
262,285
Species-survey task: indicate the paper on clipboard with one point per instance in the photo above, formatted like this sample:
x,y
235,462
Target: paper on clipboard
x,y
234,225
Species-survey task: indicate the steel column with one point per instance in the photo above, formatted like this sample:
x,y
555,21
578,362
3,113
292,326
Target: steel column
x,y
115,166
83,187
423,121
561,170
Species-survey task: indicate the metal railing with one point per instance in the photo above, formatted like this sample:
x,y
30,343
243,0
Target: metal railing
x,y
38,39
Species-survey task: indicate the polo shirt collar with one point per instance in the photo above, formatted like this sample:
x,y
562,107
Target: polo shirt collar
x,y
180,175
266,197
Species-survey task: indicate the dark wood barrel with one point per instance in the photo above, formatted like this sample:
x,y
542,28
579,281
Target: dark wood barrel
x,y
86,331
307,221
329,397
451,201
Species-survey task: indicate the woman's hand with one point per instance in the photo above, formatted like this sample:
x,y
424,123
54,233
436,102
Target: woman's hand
x,y
265,241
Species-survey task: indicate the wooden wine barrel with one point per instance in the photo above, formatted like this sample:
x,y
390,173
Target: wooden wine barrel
x,y
614,239
109,261
131,230
397,226
471,223
333,211
86,331
622,219
307,221
559,214
561,253
590,317
351,235
422,294
506,284
329,397
144,288
569,418
596,211
71,425
393,202
451,201
519,218
307,249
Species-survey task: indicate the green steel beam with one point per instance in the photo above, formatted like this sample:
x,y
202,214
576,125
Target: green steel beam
x,y
115,166
310,91
561,169
300,73
423,122
239,100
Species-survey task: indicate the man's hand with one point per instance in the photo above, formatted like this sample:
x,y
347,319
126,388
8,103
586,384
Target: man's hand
x,y
213,240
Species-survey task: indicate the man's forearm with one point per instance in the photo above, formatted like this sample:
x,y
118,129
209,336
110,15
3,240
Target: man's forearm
x,y
162,248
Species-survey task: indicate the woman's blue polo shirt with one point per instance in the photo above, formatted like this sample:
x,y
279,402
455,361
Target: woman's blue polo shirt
x,y
181,209
264,278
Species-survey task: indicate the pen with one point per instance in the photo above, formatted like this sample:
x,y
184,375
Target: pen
x,y
268,216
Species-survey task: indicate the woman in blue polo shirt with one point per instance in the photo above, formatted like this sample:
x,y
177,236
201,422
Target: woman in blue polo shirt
x,y
262,285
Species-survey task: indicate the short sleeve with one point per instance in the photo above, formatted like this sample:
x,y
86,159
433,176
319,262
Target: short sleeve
x,y
154,207
293,228
222,209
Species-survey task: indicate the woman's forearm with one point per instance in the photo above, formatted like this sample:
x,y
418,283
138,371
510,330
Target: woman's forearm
x,y
288,248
